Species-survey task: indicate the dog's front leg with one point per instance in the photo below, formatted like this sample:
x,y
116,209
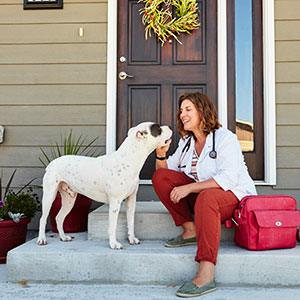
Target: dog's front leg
x,y
130,210
114,209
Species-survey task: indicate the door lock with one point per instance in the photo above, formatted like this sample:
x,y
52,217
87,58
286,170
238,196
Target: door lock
x,y
123,59
123,75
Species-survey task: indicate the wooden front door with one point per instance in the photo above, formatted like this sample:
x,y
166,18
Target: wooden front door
x,y
162,74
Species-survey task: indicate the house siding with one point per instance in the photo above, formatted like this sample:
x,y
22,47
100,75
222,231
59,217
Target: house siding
x,y
51,80
287,68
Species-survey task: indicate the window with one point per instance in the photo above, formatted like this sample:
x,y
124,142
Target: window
x,y
244,74
245,80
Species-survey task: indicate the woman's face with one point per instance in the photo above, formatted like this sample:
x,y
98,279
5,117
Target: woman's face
x,y
189,116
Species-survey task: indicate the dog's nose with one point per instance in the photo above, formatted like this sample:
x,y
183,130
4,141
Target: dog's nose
x,y
170,127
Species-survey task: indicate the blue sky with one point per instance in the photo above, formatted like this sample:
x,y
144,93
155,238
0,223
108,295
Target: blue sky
x,y
243,48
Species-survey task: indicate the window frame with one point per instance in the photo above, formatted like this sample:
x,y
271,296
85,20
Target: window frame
x,y
226,64
255,158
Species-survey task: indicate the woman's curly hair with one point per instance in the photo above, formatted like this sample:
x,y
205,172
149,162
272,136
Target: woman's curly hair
x,y
208,112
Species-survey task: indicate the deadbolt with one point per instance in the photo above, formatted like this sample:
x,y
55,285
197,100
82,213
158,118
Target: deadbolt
x,y
123,59
123,75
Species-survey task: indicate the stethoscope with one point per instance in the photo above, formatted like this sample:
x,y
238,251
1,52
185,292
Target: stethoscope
x,y
212,154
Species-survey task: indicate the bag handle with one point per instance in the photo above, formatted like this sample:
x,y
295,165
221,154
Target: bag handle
x,y
231,223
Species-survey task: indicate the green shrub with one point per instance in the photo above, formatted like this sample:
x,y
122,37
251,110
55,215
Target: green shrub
x,y
16,205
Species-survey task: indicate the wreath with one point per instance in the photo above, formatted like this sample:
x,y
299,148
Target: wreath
x,y
157,16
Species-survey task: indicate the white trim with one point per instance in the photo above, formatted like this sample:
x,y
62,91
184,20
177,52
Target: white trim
x,y
261,183
269,92
269,82
145,181
256,182
222,62
111,87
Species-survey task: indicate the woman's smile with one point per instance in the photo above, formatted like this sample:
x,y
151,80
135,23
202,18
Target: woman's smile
x,y
189,116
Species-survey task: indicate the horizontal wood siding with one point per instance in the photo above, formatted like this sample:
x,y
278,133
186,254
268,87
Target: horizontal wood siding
x,y
51,80
76,13
46,94
287,31
53,54
29,155
287,92
53,115
53,74
43,135
287,52
64,33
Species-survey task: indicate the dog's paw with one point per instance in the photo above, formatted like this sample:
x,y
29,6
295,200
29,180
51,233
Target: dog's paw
x,y
41,242
116,245
66,238
133,240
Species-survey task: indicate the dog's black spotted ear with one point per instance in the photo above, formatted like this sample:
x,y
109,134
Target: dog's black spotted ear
x,y
155,130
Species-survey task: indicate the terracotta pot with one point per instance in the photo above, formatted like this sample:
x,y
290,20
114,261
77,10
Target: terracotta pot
x,y
12,235
77,219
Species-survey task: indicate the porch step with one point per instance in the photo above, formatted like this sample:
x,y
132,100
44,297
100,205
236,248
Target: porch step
x,y
152,222
81,291
88,261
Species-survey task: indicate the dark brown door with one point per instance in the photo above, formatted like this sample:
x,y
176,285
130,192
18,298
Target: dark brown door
x,y
162,74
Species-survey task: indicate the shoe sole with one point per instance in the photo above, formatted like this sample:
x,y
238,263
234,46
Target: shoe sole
x,y
195,295
180,245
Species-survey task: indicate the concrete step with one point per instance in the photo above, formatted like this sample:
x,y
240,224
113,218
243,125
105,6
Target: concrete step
x,y
86,261
80,291
136,292
152,222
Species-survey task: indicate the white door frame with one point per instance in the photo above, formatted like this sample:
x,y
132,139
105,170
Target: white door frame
x,y
269,82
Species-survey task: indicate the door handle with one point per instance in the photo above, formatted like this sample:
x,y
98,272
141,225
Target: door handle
x,y
123,75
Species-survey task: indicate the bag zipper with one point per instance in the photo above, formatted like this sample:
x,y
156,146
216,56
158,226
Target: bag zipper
x,y
243,202
241,206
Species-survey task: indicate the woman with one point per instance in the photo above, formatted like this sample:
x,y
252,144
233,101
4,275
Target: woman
x,y
205,177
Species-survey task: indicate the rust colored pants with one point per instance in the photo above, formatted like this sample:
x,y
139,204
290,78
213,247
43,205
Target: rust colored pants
x,y
208,210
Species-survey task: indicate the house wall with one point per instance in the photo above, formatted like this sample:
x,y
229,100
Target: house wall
x,y
287,66
51,80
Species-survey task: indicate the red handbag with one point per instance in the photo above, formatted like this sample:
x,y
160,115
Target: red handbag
x,y
265,222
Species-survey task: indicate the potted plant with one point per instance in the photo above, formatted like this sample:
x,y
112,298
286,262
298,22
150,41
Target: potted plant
x,y
16,211
76,220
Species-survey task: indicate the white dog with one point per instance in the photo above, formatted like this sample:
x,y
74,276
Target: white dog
x,y
109,179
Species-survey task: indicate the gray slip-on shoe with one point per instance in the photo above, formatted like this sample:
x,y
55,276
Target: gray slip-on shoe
x,y
180,242
189,289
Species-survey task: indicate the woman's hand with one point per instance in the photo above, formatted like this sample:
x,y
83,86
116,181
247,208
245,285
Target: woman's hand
x,y
180,192
162,151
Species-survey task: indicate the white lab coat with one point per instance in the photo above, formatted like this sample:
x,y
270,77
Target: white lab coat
x,y
228,169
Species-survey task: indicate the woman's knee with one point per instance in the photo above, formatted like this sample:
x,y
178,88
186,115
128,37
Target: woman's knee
x,y
206,199
159,176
